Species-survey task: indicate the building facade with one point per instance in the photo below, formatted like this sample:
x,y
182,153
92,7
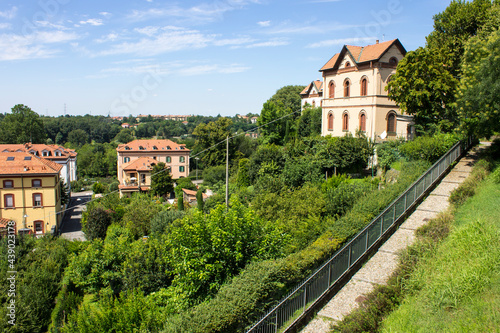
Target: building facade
x,y
355,97
57,154
137,158
312,95
30,192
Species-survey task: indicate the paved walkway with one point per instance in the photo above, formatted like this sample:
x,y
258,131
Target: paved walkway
x,y
383,263
71,228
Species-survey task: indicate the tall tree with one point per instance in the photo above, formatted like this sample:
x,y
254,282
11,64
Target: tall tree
x,y
161,180
479,93
22,125
289,97
424,87
210,137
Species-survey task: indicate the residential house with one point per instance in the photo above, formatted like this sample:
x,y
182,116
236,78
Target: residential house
x,y
55,153
312,94
189,196
30,192
355,97
137,158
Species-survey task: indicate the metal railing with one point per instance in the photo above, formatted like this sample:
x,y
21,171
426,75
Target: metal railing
x,y
303,297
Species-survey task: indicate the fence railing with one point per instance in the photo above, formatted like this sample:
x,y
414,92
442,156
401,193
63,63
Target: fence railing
x,y
303,297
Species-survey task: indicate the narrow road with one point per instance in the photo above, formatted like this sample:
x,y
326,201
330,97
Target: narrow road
x,y
383,263
71,227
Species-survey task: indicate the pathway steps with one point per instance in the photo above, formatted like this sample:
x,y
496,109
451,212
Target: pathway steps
x,y
383,263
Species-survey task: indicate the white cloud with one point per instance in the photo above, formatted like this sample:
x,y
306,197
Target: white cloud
x,y
233,41
271,43
166,41
105,14
32,46
111,37
340,41
9,14
264,23
202,13
94,22
5,26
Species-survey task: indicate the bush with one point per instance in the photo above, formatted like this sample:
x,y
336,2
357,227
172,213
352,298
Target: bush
x,y
388,153
98,221
161,222
428,148
213,175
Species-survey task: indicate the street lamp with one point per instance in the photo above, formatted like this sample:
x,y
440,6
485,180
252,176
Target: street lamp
x,y
196,158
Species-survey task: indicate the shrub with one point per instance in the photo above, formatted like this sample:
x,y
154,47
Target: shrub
x,y
215,174
428,148
388,153
164,219
98,221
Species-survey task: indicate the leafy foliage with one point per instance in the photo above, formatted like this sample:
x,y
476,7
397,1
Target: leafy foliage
x,y
98,221
161,180
22,125
210,137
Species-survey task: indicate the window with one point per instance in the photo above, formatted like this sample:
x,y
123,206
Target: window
x,y
169,159
10,158
8,200
38,226
27,158
331,90
314,104
362,122
347,90
391,122
37,199
347,64
345,121
143,178
330,121
182,159
393,61
45,153
126,159
36,183
181,169
8,184
364,86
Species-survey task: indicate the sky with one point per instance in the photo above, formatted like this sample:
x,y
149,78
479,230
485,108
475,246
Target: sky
x,y
204,57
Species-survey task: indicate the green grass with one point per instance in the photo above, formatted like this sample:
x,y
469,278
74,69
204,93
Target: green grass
x,y
457,289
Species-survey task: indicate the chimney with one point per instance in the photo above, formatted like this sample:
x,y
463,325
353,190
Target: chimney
x,y
376,42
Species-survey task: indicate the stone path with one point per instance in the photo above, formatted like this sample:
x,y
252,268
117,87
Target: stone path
x,y
383,263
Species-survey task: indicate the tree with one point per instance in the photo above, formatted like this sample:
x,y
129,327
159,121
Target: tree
x,y
78,137
98,221
289,98
273,123
210,138
22,125
309,123
199,200
479,92
424,87
161,180
242,177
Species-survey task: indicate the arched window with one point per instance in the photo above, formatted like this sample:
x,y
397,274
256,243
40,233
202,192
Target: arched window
x,y
331,90
314,104
391,122
347,88
345,121
393,61
362,122
330,121
347,64
364,86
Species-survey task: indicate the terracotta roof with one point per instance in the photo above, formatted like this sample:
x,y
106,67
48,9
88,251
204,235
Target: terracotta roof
x,y
318,84
25,163
193,193
38,148
361,54
141,164
4,222
331,62
148,145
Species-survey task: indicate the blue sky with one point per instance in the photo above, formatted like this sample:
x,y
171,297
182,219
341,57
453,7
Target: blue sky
x,y
184,57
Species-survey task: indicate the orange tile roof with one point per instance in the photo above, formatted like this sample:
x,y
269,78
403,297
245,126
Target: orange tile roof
x,y
141,164
319,85
306,89
193,193
25,163
148,145
362,54
39,147
4,222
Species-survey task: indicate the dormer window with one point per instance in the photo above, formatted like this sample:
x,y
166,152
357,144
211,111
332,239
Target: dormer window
x,y
127,148
45,153
168,148
141,148
57,153
155,148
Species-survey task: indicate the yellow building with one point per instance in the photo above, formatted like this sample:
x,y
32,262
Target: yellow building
x,y
355,97
137,158
30,192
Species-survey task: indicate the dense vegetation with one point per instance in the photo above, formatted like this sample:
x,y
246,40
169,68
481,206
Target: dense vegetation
x,y
295,198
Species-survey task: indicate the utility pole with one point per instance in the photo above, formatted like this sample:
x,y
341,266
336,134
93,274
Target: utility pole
x,y
227,172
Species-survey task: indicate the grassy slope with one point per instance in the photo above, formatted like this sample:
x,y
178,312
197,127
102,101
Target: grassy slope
x,y
458,289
